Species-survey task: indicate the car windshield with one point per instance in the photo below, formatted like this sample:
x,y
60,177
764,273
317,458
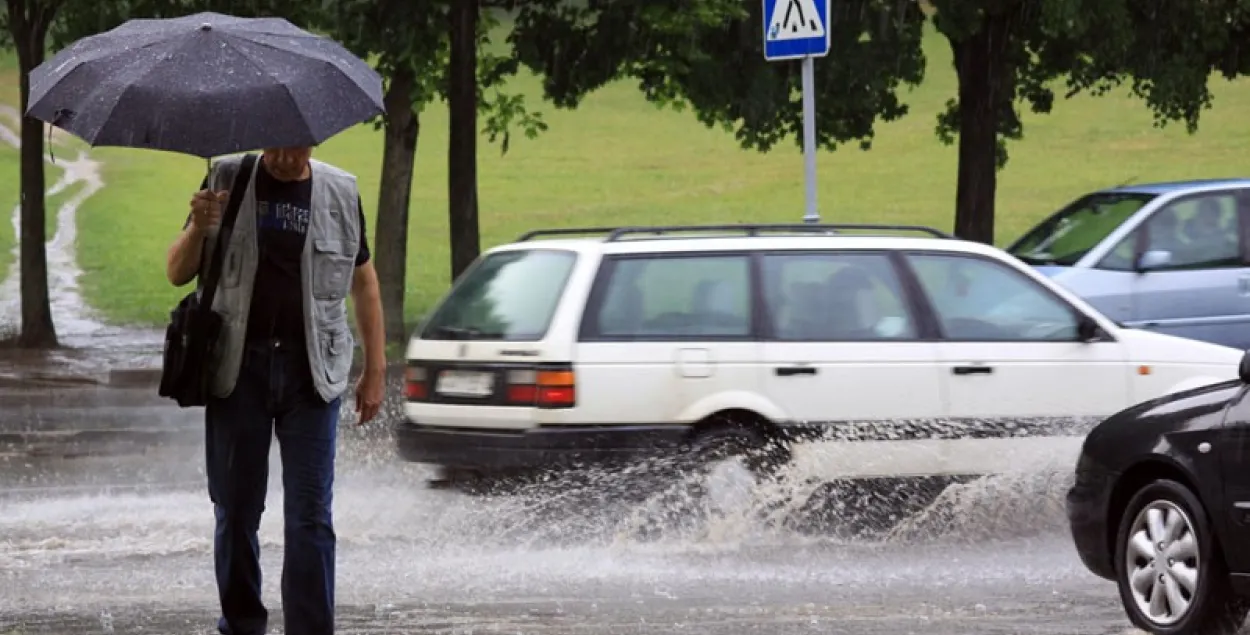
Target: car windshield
x,y
507,295
1070,233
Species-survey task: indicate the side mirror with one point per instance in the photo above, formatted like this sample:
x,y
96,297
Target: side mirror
x,y
1154,259
1087,329
1243,369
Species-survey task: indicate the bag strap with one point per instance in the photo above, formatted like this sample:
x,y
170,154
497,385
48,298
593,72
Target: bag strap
x,y
241,180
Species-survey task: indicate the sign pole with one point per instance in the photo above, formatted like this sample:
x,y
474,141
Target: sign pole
x,y
809,138
799,30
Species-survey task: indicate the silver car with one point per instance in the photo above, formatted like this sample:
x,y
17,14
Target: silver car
x,y
1168,257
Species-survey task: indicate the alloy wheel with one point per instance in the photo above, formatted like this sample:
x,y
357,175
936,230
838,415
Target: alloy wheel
x,y
1162,562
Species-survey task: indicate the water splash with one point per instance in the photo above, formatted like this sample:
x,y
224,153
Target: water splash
x,y
154,503
643,530
613,510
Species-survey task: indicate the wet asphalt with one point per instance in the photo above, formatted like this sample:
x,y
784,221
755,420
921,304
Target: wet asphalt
x,y
110,532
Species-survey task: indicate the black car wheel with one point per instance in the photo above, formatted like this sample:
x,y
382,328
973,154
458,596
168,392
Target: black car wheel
x,y
1169,567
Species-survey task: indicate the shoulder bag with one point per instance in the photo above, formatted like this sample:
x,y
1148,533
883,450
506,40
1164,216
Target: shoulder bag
x,y
194,328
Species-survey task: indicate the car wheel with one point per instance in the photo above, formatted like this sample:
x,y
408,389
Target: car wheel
x,y
727,463
713,475
1170,569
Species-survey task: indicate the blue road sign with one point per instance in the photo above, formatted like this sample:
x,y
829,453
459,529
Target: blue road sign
x,y
795,29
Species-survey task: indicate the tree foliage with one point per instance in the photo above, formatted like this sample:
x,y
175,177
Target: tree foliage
x,y
394,35
1166,53
1012,53
95,17
706,55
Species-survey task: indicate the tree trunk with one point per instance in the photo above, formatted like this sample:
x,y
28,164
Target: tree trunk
x,y
980,64
462,142
37,328
399,151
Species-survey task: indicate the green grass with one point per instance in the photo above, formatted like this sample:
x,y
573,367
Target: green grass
x,y
619,160
9,186
10,175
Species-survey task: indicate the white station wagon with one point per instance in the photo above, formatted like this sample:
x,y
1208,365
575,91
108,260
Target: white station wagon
x,y
897,355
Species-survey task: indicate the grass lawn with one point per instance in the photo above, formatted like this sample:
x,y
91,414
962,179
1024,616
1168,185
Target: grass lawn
x,y
10,176
9,186
618,160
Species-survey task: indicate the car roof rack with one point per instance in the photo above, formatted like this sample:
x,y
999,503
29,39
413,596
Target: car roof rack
x,y
564,231
757,229
615,234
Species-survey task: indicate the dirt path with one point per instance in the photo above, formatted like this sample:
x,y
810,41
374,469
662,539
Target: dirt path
x,y
76,324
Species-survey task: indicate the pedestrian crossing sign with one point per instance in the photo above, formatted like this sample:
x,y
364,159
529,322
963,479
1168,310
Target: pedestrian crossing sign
x,y
796,28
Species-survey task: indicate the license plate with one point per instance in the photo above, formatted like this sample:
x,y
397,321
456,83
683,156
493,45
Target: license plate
x,y
465,384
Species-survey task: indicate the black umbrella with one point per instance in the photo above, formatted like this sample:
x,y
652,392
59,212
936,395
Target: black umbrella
x,y
205,84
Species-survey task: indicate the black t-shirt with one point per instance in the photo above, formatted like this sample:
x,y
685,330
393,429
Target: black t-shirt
x,y
282,218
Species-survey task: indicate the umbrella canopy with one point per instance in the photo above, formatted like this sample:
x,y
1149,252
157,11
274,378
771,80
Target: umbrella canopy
x,y
205,84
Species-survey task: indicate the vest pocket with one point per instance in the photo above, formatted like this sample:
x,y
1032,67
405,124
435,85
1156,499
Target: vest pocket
x,y
336,349
331,313
332,270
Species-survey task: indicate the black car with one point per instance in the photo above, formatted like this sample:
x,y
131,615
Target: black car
x,y
1161,506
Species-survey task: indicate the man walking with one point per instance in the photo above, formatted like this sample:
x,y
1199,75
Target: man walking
x,y
296,250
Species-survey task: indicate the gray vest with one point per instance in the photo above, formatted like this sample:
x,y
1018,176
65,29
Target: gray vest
x,y
329,260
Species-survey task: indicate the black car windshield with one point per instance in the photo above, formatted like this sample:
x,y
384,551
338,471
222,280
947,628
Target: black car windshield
x,y
507,295
1071,232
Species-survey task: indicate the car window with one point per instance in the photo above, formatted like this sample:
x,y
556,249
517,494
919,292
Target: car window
x,y
977,299
835,297
508,295
1065,237
671,297
1197,232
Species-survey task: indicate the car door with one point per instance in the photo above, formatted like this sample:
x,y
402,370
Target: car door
x,y
1012,359
845,357
663,332
1191,277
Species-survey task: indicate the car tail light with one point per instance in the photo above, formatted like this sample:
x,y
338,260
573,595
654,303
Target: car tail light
x,y
416,388
542,388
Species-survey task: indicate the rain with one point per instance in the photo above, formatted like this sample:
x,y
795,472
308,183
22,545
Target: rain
x,y
106,525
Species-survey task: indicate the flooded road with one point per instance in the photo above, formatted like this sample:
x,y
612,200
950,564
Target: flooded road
x,y
122,543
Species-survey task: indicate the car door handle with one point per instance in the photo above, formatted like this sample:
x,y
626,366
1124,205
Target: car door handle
x,y
973,370
788,371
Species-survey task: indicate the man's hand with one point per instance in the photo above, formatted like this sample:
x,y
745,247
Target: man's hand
x,y
369,391
182,260
368,300
206,206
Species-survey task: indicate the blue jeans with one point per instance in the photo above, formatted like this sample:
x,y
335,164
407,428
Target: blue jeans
x,y
274,394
